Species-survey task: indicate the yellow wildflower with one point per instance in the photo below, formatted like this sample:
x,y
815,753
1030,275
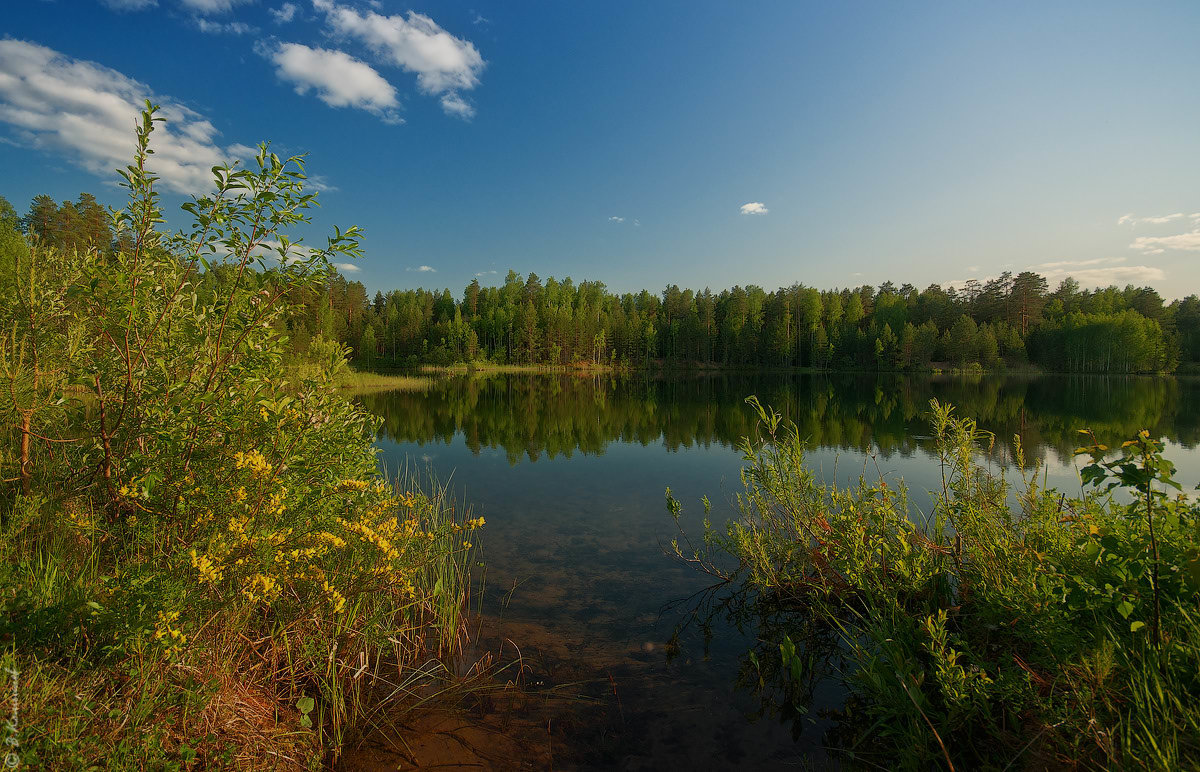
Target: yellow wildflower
x,y
164,630
255,461
335,598
209,570
261,587
329,538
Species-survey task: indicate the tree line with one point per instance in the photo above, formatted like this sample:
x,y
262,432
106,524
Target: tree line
x,y
1013,320
1009,321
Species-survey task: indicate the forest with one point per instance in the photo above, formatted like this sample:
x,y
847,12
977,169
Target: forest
x,y
1007,322
1011,321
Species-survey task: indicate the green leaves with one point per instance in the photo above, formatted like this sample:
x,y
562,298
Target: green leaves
x,y
305,705
986,618
189,499
1124,608
1140,465
792,663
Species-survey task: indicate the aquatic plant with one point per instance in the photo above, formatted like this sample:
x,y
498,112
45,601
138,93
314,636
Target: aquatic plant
x,y
998,631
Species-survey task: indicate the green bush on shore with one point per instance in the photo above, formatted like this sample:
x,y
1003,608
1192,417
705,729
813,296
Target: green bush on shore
x,y
200,563
1063,632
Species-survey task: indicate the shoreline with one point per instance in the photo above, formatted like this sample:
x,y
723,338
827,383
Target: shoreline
x,y
425,374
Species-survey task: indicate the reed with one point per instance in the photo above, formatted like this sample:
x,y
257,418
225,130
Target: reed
x,y
996,631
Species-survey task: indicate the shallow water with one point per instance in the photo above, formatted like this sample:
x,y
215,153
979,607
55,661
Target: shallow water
x,y
570,474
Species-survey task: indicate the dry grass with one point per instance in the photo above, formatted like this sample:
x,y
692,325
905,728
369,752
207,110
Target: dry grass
x,y
211,716
485,367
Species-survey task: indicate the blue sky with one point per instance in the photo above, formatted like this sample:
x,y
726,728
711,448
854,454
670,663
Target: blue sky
x,y
701,143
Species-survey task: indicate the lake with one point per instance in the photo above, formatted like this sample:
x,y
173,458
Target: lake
x,y
624,662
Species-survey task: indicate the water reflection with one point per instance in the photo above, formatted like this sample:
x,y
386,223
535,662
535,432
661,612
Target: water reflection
x,y
531,416
577,572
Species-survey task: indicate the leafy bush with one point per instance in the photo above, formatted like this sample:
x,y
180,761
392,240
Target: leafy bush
x,y
1062,632
190,537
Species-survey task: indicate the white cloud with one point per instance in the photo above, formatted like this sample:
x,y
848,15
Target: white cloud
x,y
87,111
614,218
455,105
347,267
444,64
754,207
1104,277
422,269
130,5
486,273
1098,272
339,79
973,268
284,13
320,183
224,28
1076,263
1129,219
211,6
1156,245
273,249
244,152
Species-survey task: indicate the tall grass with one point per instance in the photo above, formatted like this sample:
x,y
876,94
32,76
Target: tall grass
x,y
983,635
96,689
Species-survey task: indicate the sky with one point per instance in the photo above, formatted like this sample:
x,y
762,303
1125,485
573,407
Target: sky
x,y
704,144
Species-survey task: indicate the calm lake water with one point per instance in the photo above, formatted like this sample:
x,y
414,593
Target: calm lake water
x,y
570,474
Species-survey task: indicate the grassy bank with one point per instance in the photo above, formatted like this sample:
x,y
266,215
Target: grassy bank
x,y
133,656
357,380
1062,633
668,366
200,565
489,367
692,368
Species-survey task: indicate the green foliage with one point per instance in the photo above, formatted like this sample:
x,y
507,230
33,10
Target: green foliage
x,y
175,505
1061,632
1121,342
1007,321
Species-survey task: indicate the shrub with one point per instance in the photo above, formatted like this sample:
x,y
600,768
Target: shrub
x,y
197,541
1061,632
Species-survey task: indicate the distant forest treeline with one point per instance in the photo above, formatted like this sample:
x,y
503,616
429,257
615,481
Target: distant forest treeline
x,y
1008,321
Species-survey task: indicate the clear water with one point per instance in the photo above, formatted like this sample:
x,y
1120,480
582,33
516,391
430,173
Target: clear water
x,y
570,474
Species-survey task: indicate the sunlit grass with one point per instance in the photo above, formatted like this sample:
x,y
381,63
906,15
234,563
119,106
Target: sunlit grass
x,y
200,563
